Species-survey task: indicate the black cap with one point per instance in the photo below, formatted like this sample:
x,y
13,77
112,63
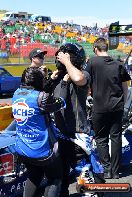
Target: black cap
x,y
35,52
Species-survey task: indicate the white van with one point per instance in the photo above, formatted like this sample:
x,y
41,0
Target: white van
x,y
11,16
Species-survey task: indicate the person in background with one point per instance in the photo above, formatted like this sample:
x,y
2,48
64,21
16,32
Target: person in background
x,y
36,57
109,91
36,142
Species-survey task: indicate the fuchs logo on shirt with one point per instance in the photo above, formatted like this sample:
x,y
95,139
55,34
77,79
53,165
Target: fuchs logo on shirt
x,y
21,111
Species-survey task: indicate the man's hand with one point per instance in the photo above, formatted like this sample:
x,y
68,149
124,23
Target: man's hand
x,y
76,75
44,70
55,74
67,78
64,58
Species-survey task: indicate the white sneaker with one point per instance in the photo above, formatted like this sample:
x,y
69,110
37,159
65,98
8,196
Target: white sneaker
x,y
87,176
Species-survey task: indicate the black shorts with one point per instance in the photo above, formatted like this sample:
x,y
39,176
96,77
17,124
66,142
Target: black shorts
x,y
52,170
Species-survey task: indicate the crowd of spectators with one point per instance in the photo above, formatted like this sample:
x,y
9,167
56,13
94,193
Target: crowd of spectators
x,y
21,33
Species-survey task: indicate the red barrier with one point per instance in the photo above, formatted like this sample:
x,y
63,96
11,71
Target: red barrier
x,y
3,44
25,50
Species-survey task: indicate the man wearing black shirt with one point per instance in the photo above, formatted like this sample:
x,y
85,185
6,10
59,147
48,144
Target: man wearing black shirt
x,y
109,90
73,87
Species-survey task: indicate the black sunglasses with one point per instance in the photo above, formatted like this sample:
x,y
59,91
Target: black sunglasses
x,y
40,56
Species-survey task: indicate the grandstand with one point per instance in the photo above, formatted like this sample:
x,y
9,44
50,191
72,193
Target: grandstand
x,y
19,38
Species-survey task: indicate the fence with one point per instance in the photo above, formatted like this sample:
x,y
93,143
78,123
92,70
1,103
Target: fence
x,y
19,54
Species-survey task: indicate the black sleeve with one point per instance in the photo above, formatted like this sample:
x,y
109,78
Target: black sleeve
x,y
88,67
64,89
87,76
51,84
124,74
48,103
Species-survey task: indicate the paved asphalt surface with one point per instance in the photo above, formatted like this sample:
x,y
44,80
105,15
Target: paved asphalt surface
x,y
5,99
125,175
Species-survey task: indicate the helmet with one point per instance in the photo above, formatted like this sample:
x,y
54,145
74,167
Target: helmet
x,y
76,52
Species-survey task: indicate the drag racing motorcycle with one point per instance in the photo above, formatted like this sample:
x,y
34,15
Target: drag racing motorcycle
x,y
13,174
